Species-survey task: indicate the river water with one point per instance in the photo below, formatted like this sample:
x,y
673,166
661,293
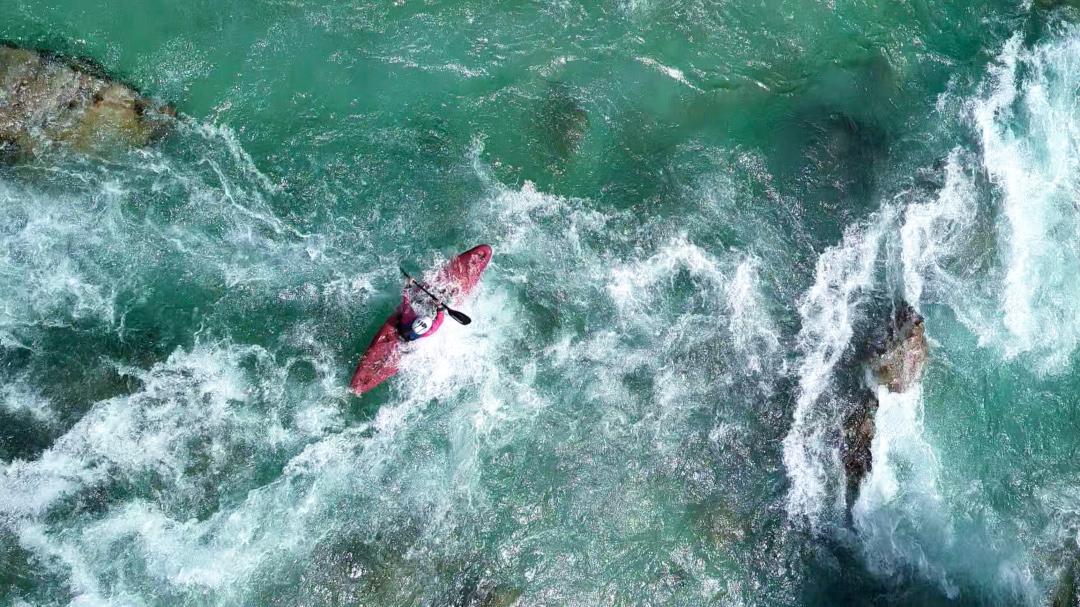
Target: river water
x,y
695,209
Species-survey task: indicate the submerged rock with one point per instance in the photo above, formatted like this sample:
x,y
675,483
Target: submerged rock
x,y
842,154
48,101
561,124
478,590
499,596
899,362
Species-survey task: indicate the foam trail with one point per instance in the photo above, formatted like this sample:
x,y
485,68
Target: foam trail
x,y
843,274
902,486
1030,134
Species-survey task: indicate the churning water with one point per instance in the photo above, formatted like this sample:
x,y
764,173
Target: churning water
x,y
697,211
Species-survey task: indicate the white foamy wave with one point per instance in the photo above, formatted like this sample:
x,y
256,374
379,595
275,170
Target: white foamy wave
x,y
751,327
933,231
200,414
526,215
42,276
944,253
1029,126
902,486
16,397
202,403
559,239
110,239
725,288
843,276
631,286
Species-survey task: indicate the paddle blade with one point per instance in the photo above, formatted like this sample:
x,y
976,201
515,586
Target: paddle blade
x,y
458,316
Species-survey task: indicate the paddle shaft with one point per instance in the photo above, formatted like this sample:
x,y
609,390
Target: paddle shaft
x,y
458,316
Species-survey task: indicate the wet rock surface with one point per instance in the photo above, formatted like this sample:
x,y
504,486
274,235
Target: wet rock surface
x,y
900,359
48,101
497,596
896,353
1065,592
858,434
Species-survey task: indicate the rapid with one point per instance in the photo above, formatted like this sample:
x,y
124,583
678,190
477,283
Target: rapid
x,y
700,213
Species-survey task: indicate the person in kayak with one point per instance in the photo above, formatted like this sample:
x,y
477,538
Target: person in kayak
x,y
420,317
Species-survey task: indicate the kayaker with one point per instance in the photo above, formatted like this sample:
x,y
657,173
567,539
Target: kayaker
x,y
420,318
456,279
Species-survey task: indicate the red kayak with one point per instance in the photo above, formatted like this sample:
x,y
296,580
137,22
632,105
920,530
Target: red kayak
x,y
453,283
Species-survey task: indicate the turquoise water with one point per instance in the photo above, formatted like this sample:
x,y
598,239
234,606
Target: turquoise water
x,y
695,209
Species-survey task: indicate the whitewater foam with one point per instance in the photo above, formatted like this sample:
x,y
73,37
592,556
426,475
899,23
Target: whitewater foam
x,y
1027,122
900,490
844,274
202,408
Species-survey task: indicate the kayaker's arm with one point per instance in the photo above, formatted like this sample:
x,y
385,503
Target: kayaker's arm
x,y
458,316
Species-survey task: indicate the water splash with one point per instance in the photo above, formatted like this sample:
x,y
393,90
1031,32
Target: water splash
x,y
843,277
1028,124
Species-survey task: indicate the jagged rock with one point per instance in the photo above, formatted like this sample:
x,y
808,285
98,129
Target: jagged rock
x,y
897,358
48,101
900,361
858,433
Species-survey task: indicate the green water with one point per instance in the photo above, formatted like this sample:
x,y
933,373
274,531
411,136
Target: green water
x,y
695,210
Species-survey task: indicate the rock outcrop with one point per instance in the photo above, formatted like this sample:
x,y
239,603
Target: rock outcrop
x,y
900,361
48,101
858,433
897,359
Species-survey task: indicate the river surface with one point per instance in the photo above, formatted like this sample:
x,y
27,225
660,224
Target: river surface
x,y
695,208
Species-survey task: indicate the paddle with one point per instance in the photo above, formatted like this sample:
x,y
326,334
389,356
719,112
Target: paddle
x,y
458,316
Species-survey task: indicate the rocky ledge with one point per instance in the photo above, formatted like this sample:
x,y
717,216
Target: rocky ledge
x,y
900,361
48,101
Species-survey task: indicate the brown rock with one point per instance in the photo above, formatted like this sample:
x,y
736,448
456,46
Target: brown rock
x,y
900,362
501,596
48,101
858,433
